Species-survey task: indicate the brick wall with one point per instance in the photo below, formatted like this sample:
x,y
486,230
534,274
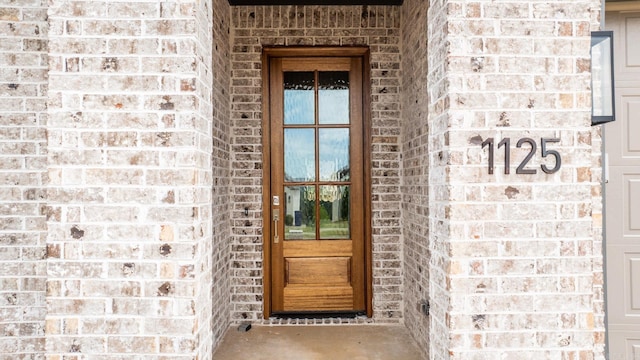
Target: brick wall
x,y
207,328
23,154
221,285
597,246
254,27
439,191
152,151
130,141
597,206
518,248
415,169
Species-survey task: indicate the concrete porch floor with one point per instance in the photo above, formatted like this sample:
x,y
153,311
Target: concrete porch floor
x,y
347,342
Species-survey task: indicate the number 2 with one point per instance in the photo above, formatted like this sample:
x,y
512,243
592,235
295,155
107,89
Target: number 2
x,y
532,151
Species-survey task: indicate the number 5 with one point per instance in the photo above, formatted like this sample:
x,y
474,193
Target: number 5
x,y
554,153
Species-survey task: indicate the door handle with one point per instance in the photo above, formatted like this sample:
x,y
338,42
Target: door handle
x,y
276,218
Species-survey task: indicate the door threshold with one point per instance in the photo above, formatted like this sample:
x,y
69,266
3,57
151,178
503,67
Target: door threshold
x,y
318,314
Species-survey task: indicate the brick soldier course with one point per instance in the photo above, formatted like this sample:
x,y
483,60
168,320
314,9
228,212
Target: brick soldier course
x,y
131,143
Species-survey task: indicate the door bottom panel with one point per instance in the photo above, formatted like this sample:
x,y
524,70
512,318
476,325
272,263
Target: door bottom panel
x,y
305,298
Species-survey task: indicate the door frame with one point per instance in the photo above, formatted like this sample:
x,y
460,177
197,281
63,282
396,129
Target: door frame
x,y
313,51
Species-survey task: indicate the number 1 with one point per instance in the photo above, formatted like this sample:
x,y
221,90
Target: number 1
x,y
489,142
507,153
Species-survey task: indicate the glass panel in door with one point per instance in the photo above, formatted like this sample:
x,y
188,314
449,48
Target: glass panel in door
x,y
299,154
334,212
334,154
299,100
333,97
316,155
300,213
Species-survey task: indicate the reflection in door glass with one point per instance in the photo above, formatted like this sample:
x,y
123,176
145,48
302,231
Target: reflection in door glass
x,y
333,97
334,154
300,213
299,104
334,212
299,155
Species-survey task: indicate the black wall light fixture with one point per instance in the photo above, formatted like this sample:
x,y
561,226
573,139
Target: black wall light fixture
x,y
602,80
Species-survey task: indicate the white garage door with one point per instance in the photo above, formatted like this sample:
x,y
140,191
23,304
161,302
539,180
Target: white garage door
x,y
622,144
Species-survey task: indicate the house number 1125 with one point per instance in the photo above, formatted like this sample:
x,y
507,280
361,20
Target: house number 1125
x,y
533,147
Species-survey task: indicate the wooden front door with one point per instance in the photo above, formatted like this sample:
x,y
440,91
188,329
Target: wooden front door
x,y
316,213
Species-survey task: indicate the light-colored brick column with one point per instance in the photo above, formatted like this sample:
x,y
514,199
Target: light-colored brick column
x,y
513,264
415,169
129,243
23,177
222,205
439,192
